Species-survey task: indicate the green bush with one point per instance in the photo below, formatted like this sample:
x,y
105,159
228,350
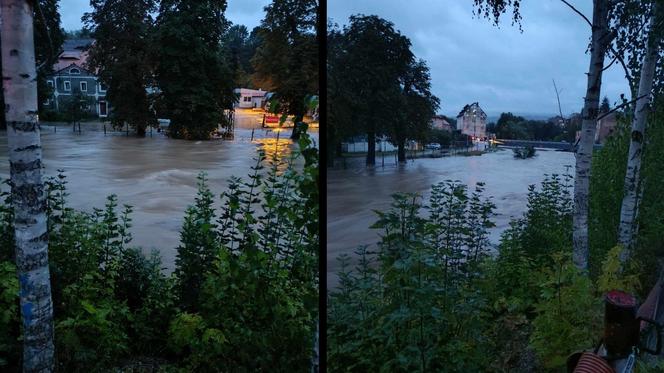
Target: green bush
x,y
243,297
414,304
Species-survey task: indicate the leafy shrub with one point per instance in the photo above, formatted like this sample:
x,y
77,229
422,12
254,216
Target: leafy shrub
x,y
569,316
413,305
257,293
114,307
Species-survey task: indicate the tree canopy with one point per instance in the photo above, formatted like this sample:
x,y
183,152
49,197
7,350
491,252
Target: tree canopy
x,y
121,55
193,73
288,55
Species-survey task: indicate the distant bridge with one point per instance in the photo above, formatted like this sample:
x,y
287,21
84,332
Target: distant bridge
x,y
558,145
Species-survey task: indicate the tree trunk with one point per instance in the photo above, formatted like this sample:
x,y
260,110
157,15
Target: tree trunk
x,y
140,130
401,150
295,135
629,210
599,44
371,148
28,195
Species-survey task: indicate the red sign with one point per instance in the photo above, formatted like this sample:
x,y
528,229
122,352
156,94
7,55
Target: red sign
x,y
271,119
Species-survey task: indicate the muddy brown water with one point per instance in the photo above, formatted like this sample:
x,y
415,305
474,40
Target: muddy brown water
x,y
354,193
156,175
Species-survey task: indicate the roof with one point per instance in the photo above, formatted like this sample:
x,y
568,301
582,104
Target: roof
x,y
250,92
72,64
468,107
76,44
75,51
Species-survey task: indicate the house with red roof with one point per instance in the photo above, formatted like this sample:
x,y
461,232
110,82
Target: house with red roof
x,y
72,79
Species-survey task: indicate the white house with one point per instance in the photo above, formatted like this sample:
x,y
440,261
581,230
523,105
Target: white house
x,y
472,121
249,98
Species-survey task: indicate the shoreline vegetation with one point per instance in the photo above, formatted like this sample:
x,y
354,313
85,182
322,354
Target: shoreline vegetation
x,y
254,258
433,299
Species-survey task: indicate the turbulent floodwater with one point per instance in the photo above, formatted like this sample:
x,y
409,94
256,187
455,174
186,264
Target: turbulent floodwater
x,y
155,175
354,193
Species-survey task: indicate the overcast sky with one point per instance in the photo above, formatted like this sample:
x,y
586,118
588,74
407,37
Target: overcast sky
x,y
244,12
501,68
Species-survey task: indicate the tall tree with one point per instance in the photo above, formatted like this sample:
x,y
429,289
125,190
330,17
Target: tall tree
x,y
608,20
605,106
288,56
629,207
365,72
339,123
416,107
121,56
28,196
193,75
241,46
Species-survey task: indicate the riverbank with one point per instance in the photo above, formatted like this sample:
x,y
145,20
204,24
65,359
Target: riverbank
x,y
355,192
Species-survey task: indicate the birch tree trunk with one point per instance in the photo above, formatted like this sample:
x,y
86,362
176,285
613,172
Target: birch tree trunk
x,y
600,40
629,208
28,198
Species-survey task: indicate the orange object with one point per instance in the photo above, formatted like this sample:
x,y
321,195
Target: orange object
x,y
592,363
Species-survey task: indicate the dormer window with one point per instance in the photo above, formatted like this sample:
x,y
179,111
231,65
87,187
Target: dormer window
x,y
74,71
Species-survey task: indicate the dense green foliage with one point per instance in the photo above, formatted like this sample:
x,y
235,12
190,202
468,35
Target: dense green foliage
x,y
432,306
193,73
121,57
368,56
606,189
414,305
243,297
510,126
524,152
241,47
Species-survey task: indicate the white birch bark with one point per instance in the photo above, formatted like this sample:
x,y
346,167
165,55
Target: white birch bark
x,y
629,208
28,198
600,41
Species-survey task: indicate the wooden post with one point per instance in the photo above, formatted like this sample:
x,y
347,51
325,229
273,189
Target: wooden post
x,y
252,134
104,129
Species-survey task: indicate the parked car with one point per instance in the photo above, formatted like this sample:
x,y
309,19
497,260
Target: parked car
x,y
432,146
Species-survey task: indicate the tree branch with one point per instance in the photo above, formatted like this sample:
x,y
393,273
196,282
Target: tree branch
x,y
630,81
578,12
621,106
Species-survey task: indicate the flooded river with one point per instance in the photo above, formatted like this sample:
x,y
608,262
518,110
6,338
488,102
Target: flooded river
x,y
155,175
353,193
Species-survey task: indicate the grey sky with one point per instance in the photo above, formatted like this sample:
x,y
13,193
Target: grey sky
x,y
505,70
244,12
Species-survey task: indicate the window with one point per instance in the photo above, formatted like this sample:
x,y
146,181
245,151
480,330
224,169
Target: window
x,y
247,99
67,85
49,83
74,71
84,86
102,87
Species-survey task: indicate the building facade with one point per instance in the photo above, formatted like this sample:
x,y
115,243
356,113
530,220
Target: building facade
x,y
250,98
71,80
440,122
472,121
